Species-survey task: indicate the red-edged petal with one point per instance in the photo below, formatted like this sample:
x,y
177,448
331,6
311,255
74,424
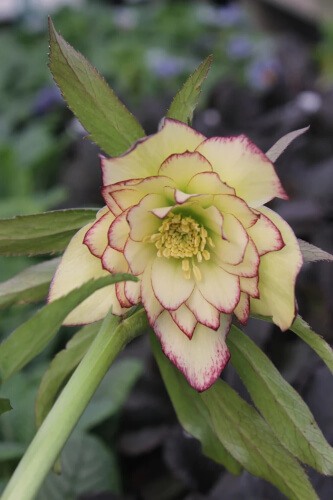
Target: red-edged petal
x,y
242,165
209,183
149,301
182,167
204,312
132,291
96,237
250,286
248,268
218,287
139,255
200,359
169,284
114,261
266,236
140,218
120,292
119,232
242,310
185,320
232,205
232,248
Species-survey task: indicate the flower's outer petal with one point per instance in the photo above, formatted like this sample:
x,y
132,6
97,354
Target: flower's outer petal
x,y
248,268
243,166
232,249
250,286
266,236
132,293
277,277
78,266
149,301
138,255
148,154
96,238
182,167
184,319
140,218
119,232
237,207
218,287
120,292
170,286
204,312
242,310
202,358
114,261
209,183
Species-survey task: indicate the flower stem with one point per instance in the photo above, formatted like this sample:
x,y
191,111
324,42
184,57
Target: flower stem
x,y
44,449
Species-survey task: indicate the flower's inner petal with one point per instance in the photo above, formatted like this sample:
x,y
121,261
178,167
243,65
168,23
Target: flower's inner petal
x,y
114,261
182,167
266,236
228,204
249,265
242,310
141,219
218,287
185,320
204,312
138,255
200,359
132,292
120,292
152,306
250,286
242,165
147,155
119,232
231,250
169,284
208,182
277,276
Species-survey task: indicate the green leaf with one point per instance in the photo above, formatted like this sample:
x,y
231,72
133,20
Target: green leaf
x,y
186,100
277,149
280,405
11,451
311,253
37,234
61,368
29,339
250,441
108,121
30,285
111,393
316,342
191,410
87,466
4,406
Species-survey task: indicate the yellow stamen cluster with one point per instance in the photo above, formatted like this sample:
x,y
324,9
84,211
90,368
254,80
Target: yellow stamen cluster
x,y
182,238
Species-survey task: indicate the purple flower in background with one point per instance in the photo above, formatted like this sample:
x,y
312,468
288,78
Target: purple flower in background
x,y
229,15
164,65
46,99
239,47
263,74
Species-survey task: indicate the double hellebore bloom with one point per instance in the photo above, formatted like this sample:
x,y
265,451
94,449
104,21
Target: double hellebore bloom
x,y
185,214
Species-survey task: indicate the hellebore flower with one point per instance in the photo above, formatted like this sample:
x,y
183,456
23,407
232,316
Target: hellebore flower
x,y
185,214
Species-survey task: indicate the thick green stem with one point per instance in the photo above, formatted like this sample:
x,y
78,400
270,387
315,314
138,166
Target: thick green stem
x,y
58,425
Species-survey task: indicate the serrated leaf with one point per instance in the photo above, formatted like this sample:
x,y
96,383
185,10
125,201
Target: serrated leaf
x,y
48,232
87,466
61,368
315,341
186,100
87,94
30,285
191,411
29,339
111,393
249,440
281,406
311,253
277,149
4,405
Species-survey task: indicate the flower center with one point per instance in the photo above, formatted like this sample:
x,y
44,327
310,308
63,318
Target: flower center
x,y
183,238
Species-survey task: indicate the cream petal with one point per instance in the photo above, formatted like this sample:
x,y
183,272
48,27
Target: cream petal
x,y
169,284
132,291
78,266
210,183
232,249
96,237
202,358
120,293
139,255
242,310
114,261
149,301
266,236
147,155
204,312
182,167
277,277
250,286
233,205
184,319
243,166
119,232
140,218
248,268
218,287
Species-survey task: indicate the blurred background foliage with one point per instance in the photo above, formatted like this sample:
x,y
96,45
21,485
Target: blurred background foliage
x,y
272,73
